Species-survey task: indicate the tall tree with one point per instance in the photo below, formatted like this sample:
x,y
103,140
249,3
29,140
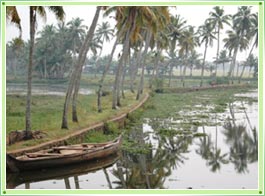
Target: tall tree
x,y
130,21
103,33
77,33
187,41
207,37
234,43
74,82
223,58
218,19
33,12
253,35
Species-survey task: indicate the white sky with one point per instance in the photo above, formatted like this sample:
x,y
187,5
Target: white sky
x,y
195,16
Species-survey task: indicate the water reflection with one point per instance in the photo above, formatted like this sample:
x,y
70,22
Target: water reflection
x,y
76,170
171,153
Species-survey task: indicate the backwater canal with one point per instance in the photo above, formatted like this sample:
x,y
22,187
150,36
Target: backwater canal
x,y
200,146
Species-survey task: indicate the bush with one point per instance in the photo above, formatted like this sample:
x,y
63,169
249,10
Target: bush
x,y
218,81
158,85
110,127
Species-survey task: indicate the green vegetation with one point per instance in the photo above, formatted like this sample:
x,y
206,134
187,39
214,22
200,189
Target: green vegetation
x,y
47,111
169,104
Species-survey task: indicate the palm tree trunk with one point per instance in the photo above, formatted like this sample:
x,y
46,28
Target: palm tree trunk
x,y
184,74
75,95
29,82
123,77
232,66
126,45
217,53
155,71
137,63
170,74
79,64
97,60
244,65
104,75
141,84
223,69
115,94
203,63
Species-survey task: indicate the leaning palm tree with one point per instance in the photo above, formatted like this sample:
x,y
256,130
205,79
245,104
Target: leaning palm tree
x,y
234,43
33,12
218,19
253,34
130,21
74,82
187,41
207,37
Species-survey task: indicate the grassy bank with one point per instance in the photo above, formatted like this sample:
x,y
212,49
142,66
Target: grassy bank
x,y
47,115
167,104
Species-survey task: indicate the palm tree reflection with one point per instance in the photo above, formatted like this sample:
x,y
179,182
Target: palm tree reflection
x,y
150,169
243,144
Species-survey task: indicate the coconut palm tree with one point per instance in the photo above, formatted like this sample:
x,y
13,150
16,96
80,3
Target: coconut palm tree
x,y
33,12
207,37
193,59
176,26
12,15
253,35
234,43
76,32
217,20
76,75
103,33
223,58
15,45
187,41
162,42
130,21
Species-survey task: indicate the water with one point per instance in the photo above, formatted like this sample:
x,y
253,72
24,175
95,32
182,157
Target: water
x,y
40,89
187,151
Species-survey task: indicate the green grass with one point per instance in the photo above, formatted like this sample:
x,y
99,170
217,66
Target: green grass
x,y
47,114
168,104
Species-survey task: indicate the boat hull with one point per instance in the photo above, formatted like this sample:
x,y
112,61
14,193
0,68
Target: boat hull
x,y
16,165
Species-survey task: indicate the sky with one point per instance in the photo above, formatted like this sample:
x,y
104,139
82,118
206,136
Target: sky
x,y
195,16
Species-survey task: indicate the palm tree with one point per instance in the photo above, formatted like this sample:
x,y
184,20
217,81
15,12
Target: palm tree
x,y
12,15
162,42
251,62
76,32
233,43
33,12
207,37
74,82
217,20
187,41
193,59
16,45
130,21
253,34
176,26
223,58
47,40
103,33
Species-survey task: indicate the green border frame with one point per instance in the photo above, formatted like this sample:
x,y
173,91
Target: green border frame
x,y
258,191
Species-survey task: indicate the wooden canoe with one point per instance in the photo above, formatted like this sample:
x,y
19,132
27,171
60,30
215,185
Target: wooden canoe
x,y
59,173
62,155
